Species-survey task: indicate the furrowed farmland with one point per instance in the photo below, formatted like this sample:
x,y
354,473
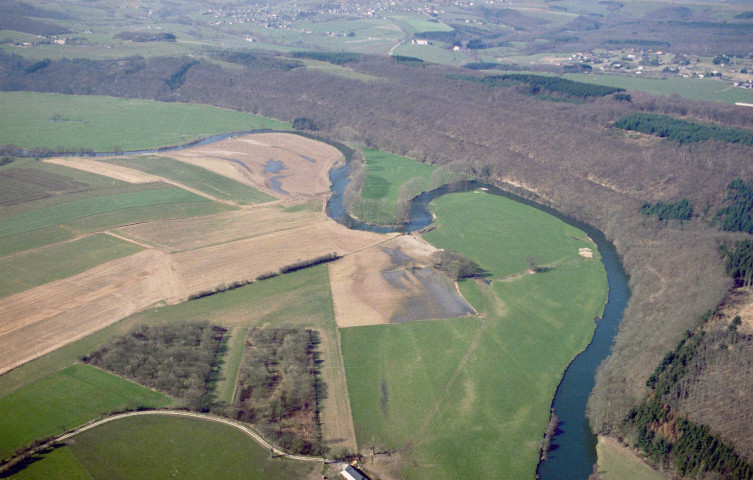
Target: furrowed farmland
x,y
400,356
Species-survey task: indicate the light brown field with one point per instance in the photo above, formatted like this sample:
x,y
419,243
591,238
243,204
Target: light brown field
x,y
388,283
44,318
244,159
338,431
246,259
124,174
177,235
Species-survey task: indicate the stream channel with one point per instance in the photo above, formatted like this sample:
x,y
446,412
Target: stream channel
x,y
572,453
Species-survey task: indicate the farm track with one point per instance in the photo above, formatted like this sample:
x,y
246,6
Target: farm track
x,y
258,438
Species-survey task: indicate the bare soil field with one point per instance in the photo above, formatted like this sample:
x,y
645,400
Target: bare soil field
x,y
209,267
124,174
392,282
47,317
177,235
300,164
338,431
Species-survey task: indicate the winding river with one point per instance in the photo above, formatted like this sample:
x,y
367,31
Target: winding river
x,y
573,449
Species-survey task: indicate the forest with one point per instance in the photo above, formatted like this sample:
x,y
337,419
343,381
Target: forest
x,y
681,210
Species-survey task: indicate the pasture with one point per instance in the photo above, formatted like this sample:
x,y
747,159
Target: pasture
x,y
386,173
64,400
166,447
617,462
33,268
480,384
106,124
693,88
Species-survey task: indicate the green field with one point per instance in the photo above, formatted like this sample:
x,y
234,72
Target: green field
x,y
386,173
60,261
693,88
615,464
192,176
66,399
49,120
89,207
235,345
449,392
166,447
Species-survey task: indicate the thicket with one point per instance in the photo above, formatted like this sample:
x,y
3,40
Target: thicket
x,y
304,123
681,210
737,213
683,131
738,261
278,387
177,360
456,265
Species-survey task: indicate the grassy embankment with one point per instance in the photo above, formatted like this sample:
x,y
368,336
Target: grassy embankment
x,y
445,393
617,463
105,124
66,399
161,447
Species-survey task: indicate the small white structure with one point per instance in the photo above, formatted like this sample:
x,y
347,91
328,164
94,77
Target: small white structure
x,y
351,473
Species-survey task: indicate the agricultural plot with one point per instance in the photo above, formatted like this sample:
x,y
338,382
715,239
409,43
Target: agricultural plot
x,y
44,318
64,400
387,173
106,124
484,384
617,462
34,268
194,177
693,88
182,234
164,447
392,282
279,164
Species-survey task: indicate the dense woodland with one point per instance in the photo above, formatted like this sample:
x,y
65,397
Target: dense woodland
x,y
278,387
175,359
558,153
683,131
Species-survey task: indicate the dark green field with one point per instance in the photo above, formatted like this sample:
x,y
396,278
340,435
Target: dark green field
x,y
64,400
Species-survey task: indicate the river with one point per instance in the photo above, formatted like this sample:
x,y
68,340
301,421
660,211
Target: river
x,y
573,448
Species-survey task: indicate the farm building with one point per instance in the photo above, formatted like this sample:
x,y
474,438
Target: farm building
x,y
351,473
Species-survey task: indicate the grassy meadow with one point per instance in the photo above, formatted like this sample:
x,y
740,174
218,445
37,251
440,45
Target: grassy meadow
x,y
106,124
66,399
448,392
693,88
615,463
33,268
192,176
165,447
386,173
